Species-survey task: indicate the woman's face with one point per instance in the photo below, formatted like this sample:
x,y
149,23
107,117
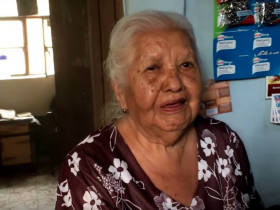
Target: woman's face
x,y
164,81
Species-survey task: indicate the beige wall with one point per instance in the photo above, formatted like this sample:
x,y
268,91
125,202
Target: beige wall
x,y
27,95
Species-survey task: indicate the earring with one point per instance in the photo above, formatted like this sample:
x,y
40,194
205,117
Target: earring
x,y
123,110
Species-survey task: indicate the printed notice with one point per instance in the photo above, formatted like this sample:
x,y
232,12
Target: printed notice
x,y
272,86
216,98
260,67
262,42
226,45
226,69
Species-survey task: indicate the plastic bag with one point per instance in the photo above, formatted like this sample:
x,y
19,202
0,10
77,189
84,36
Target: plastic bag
x,y
256,12
235,12
269,13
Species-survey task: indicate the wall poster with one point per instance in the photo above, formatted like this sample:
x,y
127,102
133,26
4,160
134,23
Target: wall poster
x,y
216,98
246,44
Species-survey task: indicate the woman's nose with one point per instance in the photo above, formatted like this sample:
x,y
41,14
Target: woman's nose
x,y
173,82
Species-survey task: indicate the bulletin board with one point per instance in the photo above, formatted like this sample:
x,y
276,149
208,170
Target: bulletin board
x,y
245,51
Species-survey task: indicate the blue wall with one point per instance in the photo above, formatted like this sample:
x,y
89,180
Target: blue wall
x,y
251,111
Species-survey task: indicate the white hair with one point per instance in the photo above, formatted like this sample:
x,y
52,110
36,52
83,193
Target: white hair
x,y
120,43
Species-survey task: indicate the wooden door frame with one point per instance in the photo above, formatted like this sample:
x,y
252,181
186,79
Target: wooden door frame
x,y
102,16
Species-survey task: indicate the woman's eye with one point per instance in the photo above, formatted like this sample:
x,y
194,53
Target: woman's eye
x,y
187,65
152,68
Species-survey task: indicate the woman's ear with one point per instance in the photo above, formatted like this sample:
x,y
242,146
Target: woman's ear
x,y
119,93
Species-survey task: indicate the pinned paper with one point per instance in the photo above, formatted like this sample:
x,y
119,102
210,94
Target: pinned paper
x,y
226,45
275,109
262,42
216,98
226,69
260,67
272,86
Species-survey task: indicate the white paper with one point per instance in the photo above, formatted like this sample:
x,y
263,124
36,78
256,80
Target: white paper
x,y
260,67
226,45
262,42
275,109
226,69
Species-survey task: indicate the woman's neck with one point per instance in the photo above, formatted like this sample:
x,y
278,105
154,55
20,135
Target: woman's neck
x,y
169,146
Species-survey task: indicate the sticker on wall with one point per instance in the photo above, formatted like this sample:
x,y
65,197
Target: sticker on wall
x,y
216,98
272,86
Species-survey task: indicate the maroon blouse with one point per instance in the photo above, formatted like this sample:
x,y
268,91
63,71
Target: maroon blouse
x,y
101,173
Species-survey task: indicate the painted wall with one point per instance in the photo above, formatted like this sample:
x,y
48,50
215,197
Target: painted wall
x,y
27,95
250,117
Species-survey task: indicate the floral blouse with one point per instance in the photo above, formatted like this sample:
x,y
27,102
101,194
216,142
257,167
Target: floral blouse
x,y
101,173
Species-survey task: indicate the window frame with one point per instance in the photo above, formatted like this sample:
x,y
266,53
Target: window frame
x,y
23,19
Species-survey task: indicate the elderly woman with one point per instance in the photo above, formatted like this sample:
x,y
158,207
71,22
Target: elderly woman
x,y
157,153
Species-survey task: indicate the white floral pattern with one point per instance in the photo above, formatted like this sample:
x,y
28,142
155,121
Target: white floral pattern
x,y
237,171
92,201
168,205
246,199
227,168
89,139
216,167
120,170
163,202
63,187
209,143
223,167
74,163
229,152
65,192
113,182
233,139
208,146
67,199
197,204
203,171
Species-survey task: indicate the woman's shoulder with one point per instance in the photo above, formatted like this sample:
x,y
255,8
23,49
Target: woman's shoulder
x,y
99,135
96,145
219,143
210,123
218,131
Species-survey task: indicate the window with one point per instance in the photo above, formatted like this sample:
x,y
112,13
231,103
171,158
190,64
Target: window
x,y
25,41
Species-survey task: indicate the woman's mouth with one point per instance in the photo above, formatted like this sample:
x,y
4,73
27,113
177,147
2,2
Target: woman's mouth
x,y
173,106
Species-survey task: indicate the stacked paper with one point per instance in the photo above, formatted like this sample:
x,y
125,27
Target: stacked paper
x,y
275,109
